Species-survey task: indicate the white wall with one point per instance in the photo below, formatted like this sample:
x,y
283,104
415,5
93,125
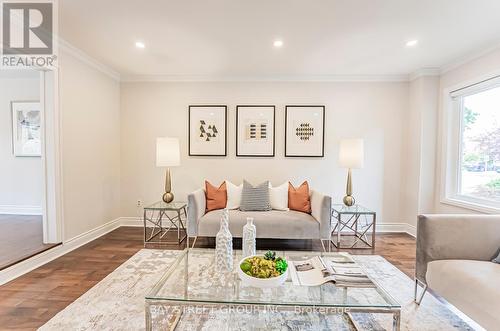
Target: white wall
x,y
471,72
373,111
90,108
21,178
419,149
109,133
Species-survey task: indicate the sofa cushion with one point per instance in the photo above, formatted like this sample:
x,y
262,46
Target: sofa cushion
x,y
269,224
216,196
279,197
233,195
298,197
471,286
255,198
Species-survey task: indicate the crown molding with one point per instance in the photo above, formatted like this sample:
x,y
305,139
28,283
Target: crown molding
x,y
87,59
424,72
470,57
264,78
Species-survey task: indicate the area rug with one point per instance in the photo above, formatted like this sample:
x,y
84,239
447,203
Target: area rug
x,y
117,303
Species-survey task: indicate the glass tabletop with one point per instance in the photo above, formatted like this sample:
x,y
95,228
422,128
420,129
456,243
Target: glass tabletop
x,y
162,205
194,278
356,209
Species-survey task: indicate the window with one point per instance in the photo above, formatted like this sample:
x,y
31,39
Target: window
x,y
476,115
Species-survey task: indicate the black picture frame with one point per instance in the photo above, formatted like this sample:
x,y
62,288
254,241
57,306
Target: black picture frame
x,y
322,136
189,129
238,154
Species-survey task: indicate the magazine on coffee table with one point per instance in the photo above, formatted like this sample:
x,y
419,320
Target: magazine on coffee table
x,y
341,270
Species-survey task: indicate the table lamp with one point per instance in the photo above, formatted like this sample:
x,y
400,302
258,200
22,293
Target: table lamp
x,y
351,156
167,155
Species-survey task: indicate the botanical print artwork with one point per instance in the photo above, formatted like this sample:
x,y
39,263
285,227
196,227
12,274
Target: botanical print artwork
x,y
26,128
304,131
208,132
255,130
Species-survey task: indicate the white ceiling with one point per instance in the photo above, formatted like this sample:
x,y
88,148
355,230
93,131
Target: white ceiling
x,y
229,38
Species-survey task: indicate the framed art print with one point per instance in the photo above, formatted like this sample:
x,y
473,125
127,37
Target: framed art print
x,y
305,131
26,128
207,130
255,130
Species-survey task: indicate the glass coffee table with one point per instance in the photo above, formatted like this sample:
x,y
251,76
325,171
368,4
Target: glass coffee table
x,y
192,285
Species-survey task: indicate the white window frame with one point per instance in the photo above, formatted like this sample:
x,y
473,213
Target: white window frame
x,y
452,146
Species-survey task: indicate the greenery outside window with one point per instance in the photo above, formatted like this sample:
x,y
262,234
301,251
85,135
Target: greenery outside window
x,y
476,175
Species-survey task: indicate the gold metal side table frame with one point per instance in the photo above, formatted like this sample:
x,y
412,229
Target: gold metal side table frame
x,y
352,224
156,214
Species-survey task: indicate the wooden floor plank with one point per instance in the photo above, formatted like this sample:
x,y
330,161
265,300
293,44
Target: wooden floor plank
x,y
29,301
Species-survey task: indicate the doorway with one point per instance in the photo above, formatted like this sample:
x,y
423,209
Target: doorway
x,y
23,180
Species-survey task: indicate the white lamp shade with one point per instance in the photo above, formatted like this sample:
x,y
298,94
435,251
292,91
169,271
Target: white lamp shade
x,y
351,153
167,152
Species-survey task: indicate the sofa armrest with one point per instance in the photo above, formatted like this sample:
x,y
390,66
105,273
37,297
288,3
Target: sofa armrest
x,y
464,237
321,210
196,209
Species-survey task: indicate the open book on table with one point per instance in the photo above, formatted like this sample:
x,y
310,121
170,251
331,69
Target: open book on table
x,y
341,270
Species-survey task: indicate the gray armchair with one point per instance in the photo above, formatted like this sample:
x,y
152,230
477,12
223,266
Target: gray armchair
x,y
454,254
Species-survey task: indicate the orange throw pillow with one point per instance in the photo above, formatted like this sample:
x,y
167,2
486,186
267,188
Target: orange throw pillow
x,y
298,198
216,197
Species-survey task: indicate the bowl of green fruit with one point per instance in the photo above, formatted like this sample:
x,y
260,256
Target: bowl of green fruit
x,y
263,271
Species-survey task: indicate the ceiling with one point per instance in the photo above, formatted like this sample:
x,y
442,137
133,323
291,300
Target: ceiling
x,y
234,38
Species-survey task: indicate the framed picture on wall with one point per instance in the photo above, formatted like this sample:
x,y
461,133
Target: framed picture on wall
x,y
255,130
305,131
207,130
26,128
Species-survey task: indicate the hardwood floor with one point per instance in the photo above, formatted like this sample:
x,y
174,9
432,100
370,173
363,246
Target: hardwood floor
x,y
29,301
20,238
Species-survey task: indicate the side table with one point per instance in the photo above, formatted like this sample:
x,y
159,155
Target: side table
x,y
358,221
158,212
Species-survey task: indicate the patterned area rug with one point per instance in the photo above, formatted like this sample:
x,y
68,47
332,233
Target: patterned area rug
x,y
117,303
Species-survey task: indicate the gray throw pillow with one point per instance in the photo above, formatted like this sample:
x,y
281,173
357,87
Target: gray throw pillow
x,y
255,198
497,259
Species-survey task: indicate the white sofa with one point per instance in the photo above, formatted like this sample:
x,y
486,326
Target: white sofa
x,y
270,224
454,254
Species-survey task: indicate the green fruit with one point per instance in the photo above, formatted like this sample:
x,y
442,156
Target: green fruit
x,y
245,266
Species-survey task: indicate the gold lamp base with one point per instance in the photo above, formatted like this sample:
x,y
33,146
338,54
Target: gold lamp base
x,y
349,199
168,196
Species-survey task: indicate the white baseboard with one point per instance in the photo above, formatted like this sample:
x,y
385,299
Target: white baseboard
x,y
36,261
20,210
396,228
131,221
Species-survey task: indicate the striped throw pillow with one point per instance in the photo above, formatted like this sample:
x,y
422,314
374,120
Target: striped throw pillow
x,y
255,198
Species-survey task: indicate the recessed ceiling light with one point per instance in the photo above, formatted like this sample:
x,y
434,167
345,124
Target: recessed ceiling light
x,y
412,43
140,44
278,43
